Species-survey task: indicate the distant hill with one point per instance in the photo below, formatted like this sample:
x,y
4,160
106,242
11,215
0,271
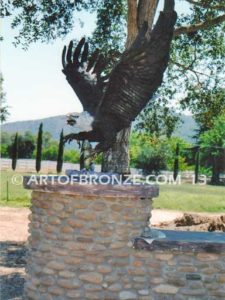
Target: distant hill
x,y
186,129
54,125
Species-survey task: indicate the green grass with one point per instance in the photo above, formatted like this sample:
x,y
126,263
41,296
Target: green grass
x,y
184,197
17,196
188,197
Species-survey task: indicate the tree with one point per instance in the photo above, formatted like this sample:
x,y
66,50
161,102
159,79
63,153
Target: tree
x,y
213,144
205,103
14,152
51,152
49,147
176,162
197,53
6,138
3,107
149,153
47,139
197,162
157,119
39,148
60,154
26,145
162,148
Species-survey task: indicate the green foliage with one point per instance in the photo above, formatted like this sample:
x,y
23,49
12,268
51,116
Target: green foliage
x,y
98,159
207,171
109,34
60,154
157,119
4,150
49,147
212,143
195,76
47,20
47,139
14,152
39,148
153,154
51,152
215,137
3,107
27,149
26,145
6,141
205,103
183,157
72,156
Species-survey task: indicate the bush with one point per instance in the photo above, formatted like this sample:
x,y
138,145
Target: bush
x,y
51,152
153,154
26,145
4,151
184,156
72,156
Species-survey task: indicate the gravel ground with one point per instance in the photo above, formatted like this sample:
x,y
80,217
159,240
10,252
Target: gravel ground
x,y
12,270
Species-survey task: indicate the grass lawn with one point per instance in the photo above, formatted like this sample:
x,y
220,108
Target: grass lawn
x,y
184,197
188,197
17,195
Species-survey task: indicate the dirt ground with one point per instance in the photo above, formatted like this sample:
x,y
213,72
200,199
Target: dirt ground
x,y
189,221
14,222
14,234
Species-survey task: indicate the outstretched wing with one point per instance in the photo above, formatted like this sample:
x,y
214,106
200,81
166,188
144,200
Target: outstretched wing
x,y
84,74
137,76
133,82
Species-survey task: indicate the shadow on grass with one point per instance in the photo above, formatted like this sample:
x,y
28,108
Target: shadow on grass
x,y
12,263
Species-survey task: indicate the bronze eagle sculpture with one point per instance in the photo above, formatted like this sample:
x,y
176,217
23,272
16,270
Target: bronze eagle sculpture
x,y
114,102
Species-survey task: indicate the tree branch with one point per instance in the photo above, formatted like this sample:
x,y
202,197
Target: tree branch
x,y
204,5
200,26
190,69
146,12
132,28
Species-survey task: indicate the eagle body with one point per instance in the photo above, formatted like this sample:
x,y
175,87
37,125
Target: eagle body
x,y
115,103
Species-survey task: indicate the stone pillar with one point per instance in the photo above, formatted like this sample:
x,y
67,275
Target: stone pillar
x,y
81,240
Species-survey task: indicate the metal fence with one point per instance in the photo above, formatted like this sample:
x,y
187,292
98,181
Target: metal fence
x,y
28,165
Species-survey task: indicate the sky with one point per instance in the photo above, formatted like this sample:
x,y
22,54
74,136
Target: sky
x,y
34,85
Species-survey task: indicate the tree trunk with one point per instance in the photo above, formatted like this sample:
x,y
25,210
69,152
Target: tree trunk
x,y
197,156
84,152
117,158
215,171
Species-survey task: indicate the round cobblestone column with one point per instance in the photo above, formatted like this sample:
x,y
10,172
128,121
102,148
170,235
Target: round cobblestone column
x,y
80,244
